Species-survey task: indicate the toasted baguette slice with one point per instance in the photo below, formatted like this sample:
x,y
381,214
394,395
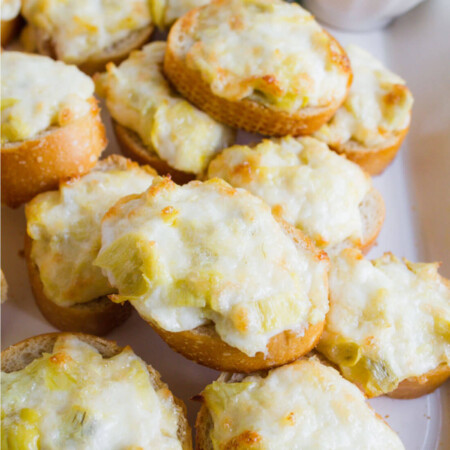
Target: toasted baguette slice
x,y
20,355
271,412
247,114
132,147
372,212
34,39
10,28
373,160
402,328
38,164
98,316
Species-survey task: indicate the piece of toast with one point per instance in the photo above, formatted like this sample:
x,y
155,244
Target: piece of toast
x,y
18,356
132,147
372,213
246,114
99,316
205,424
373,160
38,164
34,39
205,346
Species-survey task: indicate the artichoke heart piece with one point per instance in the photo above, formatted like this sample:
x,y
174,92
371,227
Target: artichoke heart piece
x,y
133,262
23,434
442,327
218,394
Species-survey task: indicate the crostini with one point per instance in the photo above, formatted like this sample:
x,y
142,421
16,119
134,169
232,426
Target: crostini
x,y
51,126
302,405
215,274
79,391
262,65
388,329
309,186
166,12
63,239
10,20
153,124
88,33
373,121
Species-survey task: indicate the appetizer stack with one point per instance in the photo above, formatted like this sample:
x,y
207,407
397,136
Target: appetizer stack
x,y
247,259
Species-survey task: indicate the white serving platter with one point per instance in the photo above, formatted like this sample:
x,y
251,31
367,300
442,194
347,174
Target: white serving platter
x,y
416,189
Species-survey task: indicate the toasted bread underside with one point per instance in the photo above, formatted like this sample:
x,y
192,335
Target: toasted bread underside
x,y
203,426
133,147
18,356
9,30
38,164
414,387
99,316
372,213
373,160
204,346
36,39
246,114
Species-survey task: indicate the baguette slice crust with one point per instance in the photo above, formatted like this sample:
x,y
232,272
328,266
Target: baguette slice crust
x,y
132,147
10,28
18,356
98,316
373,160
38,164
35,39
246,114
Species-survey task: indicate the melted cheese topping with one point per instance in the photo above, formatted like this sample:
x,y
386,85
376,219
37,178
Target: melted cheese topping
x,y
303,405
9,9
388,320
304,182
75,399
84,29
378,105
188,255
139,98
165,12
64,226
269,51
38,92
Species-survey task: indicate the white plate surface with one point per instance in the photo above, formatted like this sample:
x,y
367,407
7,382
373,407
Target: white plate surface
x,y
416,189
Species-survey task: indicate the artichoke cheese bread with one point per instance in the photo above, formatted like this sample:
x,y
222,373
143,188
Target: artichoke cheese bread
x,y
329,198
51,127
262,65
88,33
166,12
78,391
153,124
10,17
388,328
63,239
302,405
374,119
218,277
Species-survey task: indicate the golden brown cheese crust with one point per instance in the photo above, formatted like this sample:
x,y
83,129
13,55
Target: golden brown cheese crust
x,y
38,164
246,114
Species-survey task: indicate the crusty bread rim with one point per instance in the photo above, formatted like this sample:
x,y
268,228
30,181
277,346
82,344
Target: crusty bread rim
x,y
36,39
37,164
132,146
204,346
373,160
246,114
18,356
